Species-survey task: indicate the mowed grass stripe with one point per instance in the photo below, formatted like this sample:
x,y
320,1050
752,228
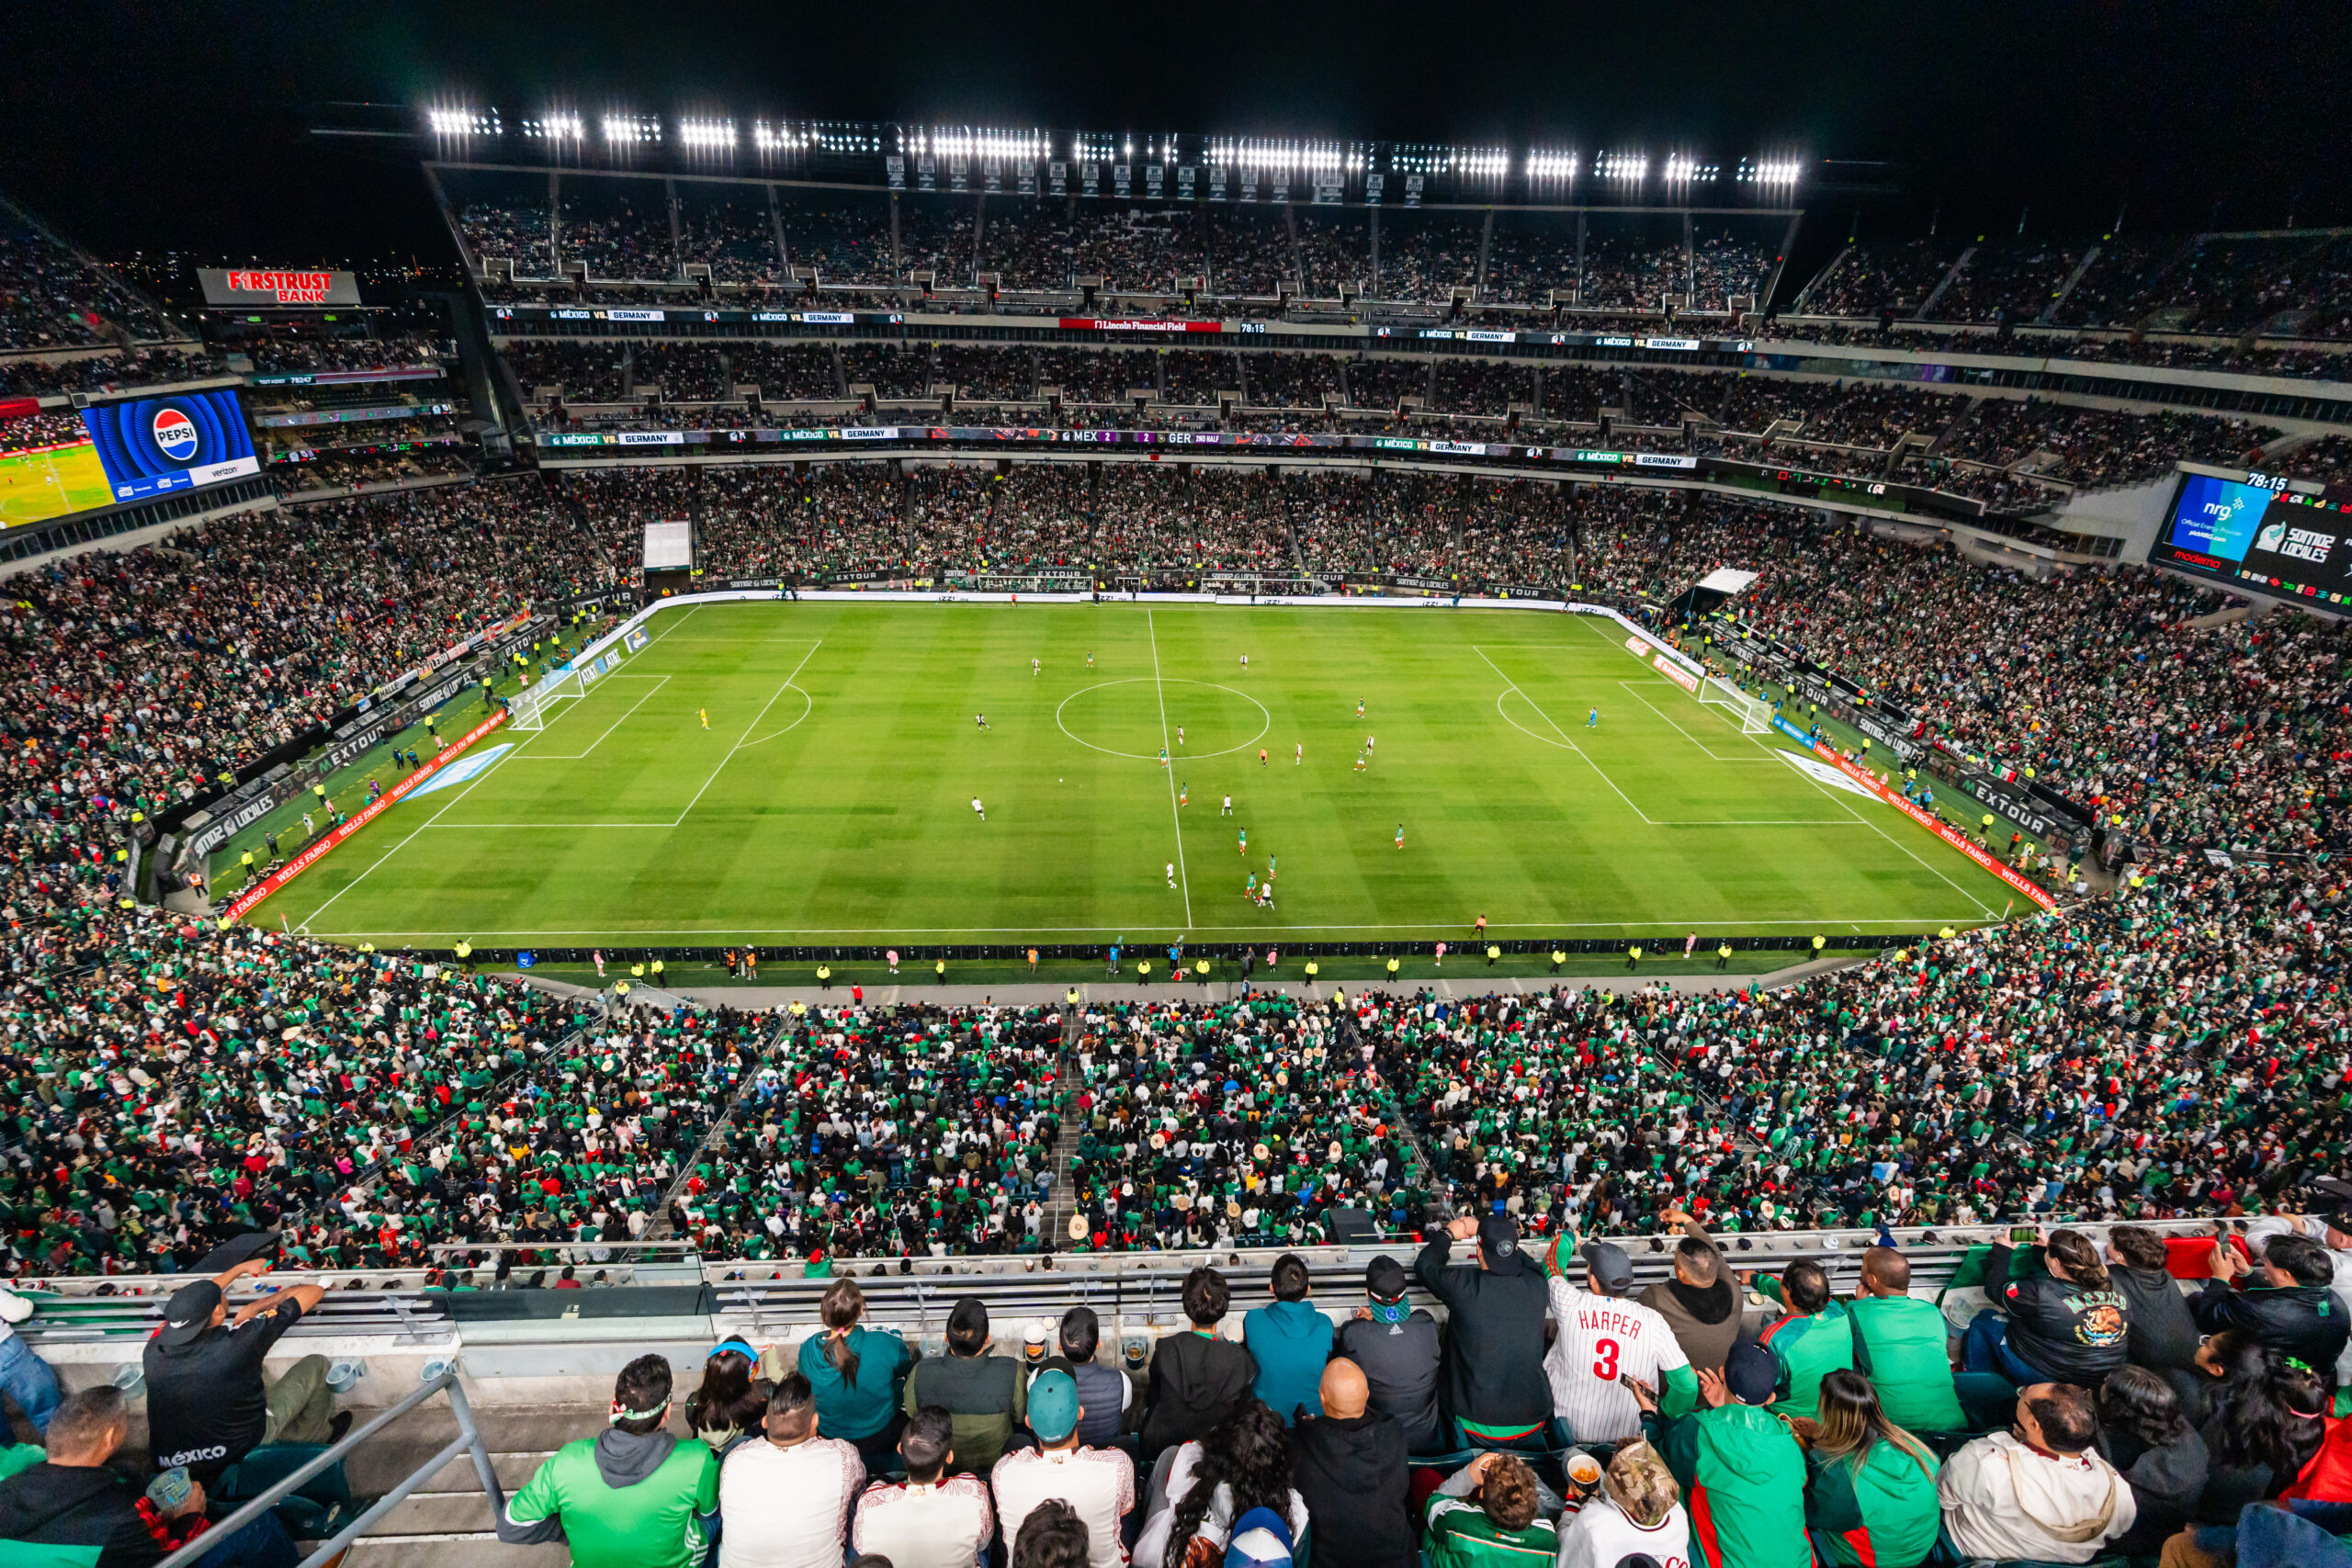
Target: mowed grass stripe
x,y
857,819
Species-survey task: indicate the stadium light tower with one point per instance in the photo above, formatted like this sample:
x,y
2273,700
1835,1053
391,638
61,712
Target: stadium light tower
x,y
707,135
1551,167
455,123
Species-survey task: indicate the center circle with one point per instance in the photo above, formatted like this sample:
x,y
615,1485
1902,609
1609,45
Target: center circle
x,y
1134,717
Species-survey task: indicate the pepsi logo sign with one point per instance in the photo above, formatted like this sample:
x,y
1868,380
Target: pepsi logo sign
x,y
175,434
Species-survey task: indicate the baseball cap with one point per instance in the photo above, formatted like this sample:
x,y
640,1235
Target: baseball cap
x,y
1052,1405
238,1249
189,1313
1385,1277
1752,1373
1497,1236
1613,1270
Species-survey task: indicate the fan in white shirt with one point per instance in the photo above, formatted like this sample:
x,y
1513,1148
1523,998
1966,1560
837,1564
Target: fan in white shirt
x,y
785,1497
927,1521
1099,1483
1639,1510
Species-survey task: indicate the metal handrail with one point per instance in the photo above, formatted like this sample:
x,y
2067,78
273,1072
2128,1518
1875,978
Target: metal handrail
x,y
467,1440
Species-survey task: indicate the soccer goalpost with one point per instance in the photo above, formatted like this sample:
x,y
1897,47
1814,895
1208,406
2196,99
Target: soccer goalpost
x,y
1755,715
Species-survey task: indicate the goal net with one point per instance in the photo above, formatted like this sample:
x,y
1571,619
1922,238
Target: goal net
x,y
1753,714
531,707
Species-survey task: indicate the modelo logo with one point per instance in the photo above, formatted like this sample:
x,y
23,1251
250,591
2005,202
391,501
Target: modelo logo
x,y
175,434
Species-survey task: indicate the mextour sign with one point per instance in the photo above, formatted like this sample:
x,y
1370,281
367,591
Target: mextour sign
x,y
256,286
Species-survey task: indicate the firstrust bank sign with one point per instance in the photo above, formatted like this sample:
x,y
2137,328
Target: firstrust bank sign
x,y
252,285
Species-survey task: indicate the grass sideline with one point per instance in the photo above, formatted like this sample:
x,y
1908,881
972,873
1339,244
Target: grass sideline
x,y
802,773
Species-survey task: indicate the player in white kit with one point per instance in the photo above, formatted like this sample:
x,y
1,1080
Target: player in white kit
x,y
1604,1335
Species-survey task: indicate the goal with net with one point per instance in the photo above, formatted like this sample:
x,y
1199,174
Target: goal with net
x,y
1753,714
531,707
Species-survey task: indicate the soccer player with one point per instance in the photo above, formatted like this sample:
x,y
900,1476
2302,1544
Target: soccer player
x,y
1361,761
1298,754
1163,756
980,720
1228,811
1270,868
1036,669
1262,756
1400,835
1089,658
1180,734
1245,840
1249,886
1244,662
1592,719
977,810
1171,882
1367,745
1184,794
704,713
1358,707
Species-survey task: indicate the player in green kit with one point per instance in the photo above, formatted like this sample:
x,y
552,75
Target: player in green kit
x,y
1245,840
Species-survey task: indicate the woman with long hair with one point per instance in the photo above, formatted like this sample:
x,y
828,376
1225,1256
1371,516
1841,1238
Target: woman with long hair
x,y
729,1400
1869,1491
2143,1434
2268,1420
2063,1322
858,1374
1242,1463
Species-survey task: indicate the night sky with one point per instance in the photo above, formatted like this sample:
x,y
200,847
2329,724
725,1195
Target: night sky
x,y
128,130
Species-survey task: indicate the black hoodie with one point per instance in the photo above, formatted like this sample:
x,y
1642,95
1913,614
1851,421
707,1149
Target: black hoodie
x,y
1494,1359
1351,1473
90,1507
1195,1378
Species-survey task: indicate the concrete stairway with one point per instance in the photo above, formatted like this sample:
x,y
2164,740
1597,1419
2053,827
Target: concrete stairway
x,y
447,1522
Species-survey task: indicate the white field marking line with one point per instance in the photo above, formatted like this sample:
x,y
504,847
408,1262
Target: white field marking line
x,y
1841,806
1142,757
1634,692
659,681
1814,922
1723,822
1168,767
789,728
1983,907
1563,734
750,727
377,863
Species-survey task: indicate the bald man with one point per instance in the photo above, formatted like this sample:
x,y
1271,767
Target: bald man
x,y
1349,1464
1899,1344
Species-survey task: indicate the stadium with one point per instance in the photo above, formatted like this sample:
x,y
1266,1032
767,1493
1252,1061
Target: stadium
x,y
1260,802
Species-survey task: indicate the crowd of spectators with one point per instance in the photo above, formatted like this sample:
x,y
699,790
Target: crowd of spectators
x,y
51,427
733,236
792,372
103,372
1873,278
765,520
587,372
51,296
2090,448
280,355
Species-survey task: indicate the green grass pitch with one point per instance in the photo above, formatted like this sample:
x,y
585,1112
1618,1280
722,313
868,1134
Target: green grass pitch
x,y
37,486
830,797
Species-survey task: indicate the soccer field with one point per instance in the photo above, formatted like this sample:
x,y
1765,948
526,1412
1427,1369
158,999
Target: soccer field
x,y
829,799
37,486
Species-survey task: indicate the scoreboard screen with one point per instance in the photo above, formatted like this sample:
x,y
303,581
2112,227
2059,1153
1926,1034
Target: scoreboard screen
x,y
152,446
2256,536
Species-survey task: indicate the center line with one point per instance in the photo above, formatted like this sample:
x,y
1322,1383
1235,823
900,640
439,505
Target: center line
x,y
1170,768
